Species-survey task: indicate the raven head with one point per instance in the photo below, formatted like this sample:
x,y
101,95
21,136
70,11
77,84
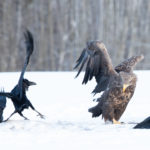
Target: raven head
x,y
27,83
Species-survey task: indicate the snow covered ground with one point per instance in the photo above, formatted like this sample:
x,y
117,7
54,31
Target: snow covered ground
x,y
65,101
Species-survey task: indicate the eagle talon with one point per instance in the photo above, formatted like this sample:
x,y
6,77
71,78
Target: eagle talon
x,y
116,122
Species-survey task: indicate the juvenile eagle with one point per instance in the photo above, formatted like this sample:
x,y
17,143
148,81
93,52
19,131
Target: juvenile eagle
x,y
117,83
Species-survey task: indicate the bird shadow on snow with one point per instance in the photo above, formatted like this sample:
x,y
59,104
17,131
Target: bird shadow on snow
x,y
45,125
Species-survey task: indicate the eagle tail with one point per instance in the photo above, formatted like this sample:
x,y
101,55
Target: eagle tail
x,y
96,111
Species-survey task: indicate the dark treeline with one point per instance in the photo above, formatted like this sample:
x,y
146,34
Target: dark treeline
x,y
61,29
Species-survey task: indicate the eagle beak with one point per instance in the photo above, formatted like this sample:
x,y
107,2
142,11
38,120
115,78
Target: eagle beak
x,y
124,87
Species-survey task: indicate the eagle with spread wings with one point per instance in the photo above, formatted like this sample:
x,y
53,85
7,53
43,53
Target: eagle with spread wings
x,y
118,84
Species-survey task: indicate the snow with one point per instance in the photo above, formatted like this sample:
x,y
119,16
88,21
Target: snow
x,y
65,101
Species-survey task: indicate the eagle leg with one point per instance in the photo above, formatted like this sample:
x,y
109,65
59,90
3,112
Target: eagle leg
x,y
115,121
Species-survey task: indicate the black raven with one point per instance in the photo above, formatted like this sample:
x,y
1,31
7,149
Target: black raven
x,y
2,106
18,93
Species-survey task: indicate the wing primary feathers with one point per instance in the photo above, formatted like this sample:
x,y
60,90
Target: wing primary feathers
x,y
83,61
128,64
98,63
29,49
29,42
7,94
80,59
92,65
87,72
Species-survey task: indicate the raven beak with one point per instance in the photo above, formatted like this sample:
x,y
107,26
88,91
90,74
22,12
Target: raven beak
x,y
124,87
32,83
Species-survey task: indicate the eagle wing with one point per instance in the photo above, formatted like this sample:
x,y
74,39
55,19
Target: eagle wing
x,y
128,64
98,65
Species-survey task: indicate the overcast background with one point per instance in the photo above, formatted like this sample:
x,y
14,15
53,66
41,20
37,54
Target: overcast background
x,y
61,29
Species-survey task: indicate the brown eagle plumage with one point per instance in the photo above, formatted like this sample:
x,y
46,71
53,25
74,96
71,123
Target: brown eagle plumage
x,y
117,83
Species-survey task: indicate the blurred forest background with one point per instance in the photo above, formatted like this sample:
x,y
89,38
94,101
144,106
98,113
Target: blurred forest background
x,y
61,29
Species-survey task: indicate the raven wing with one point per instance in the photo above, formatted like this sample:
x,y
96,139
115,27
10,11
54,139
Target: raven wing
x,y
7,94
29,42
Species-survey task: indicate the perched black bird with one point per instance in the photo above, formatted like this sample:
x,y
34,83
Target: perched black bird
x,y
144,124
2,106
117,83
18,93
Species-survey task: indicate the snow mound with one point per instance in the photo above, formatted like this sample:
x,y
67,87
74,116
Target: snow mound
x,y
65,101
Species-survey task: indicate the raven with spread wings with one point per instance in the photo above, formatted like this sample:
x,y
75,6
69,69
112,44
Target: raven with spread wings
x,y
117,83
18,93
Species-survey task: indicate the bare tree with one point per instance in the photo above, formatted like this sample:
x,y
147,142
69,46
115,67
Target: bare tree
x,y
61,29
